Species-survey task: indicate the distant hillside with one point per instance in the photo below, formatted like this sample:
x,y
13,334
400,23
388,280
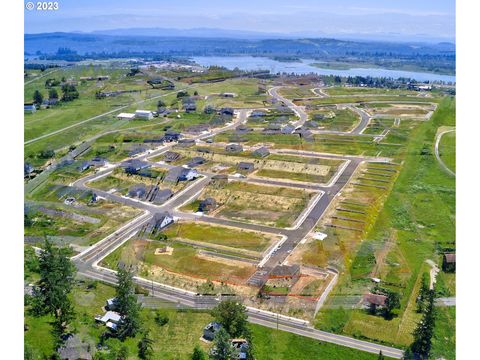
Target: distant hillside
x,y
201,45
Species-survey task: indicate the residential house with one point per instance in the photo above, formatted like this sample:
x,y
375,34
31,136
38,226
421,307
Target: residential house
x,y
161,196
196,161
133,166
273,129
159,222
207,205
186,142
171,135
242,129
285,272
137,149
311,124
288,129
180,173
189,107
448,263
261,152
245,166
227,111
137,191
234,148
374,300
110,319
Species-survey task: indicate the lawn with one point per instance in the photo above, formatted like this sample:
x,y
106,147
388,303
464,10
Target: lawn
x,y
447,150
224,236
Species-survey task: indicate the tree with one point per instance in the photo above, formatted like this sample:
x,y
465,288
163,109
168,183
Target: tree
x,y
392,302
182,93
52,94
423,294
198,353
69,92
233,317
51,295
161,318
47,154
195,93
122,353
37,97
127,304
423,333
222,347
160,104
380,356
145,347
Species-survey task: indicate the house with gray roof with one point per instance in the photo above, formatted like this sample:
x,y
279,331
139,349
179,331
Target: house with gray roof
x,y
261,152
161,196
180,173
245,166
234,148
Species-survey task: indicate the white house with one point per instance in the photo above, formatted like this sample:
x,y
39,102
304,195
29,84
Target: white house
x,y
144,114
110,319
127,116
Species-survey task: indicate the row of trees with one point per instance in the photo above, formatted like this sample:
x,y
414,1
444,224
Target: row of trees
x,y
69,93
422,343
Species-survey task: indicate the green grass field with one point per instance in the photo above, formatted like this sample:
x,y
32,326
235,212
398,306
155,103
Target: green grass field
x,y
178,337
419,217
219,235
447,150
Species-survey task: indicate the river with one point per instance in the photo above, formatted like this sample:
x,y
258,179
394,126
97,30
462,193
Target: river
x,y
304,67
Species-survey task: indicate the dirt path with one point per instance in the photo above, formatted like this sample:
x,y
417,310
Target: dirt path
x,y
437,154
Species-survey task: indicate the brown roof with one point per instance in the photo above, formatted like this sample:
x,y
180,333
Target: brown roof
x,y
375,299
449,258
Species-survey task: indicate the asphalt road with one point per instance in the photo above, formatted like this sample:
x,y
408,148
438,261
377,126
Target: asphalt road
x,y
437,152
87,261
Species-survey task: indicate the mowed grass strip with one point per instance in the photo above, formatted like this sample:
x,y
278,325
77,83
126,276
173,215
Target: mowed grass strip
x,y
219,235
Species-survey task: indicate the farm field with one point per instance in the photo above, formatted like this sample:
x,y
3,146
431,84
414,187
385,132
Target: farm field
x,y
267,205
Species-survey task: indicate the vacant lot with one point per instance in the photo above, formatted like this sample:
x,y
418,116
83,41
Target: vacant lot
x,y
184,261
269,205
219,235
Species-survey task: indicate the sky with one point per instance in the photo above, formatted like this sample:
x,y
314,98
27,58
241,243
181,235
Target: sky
x,y
403,19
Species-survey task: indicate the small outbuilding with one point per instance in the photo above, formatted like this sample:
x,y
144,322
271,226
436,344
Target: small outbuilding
x,y
143,114
210,330
449,262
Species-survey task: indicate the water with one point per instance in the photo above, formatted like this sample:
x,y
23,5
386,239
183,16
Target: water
x,y
304,67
